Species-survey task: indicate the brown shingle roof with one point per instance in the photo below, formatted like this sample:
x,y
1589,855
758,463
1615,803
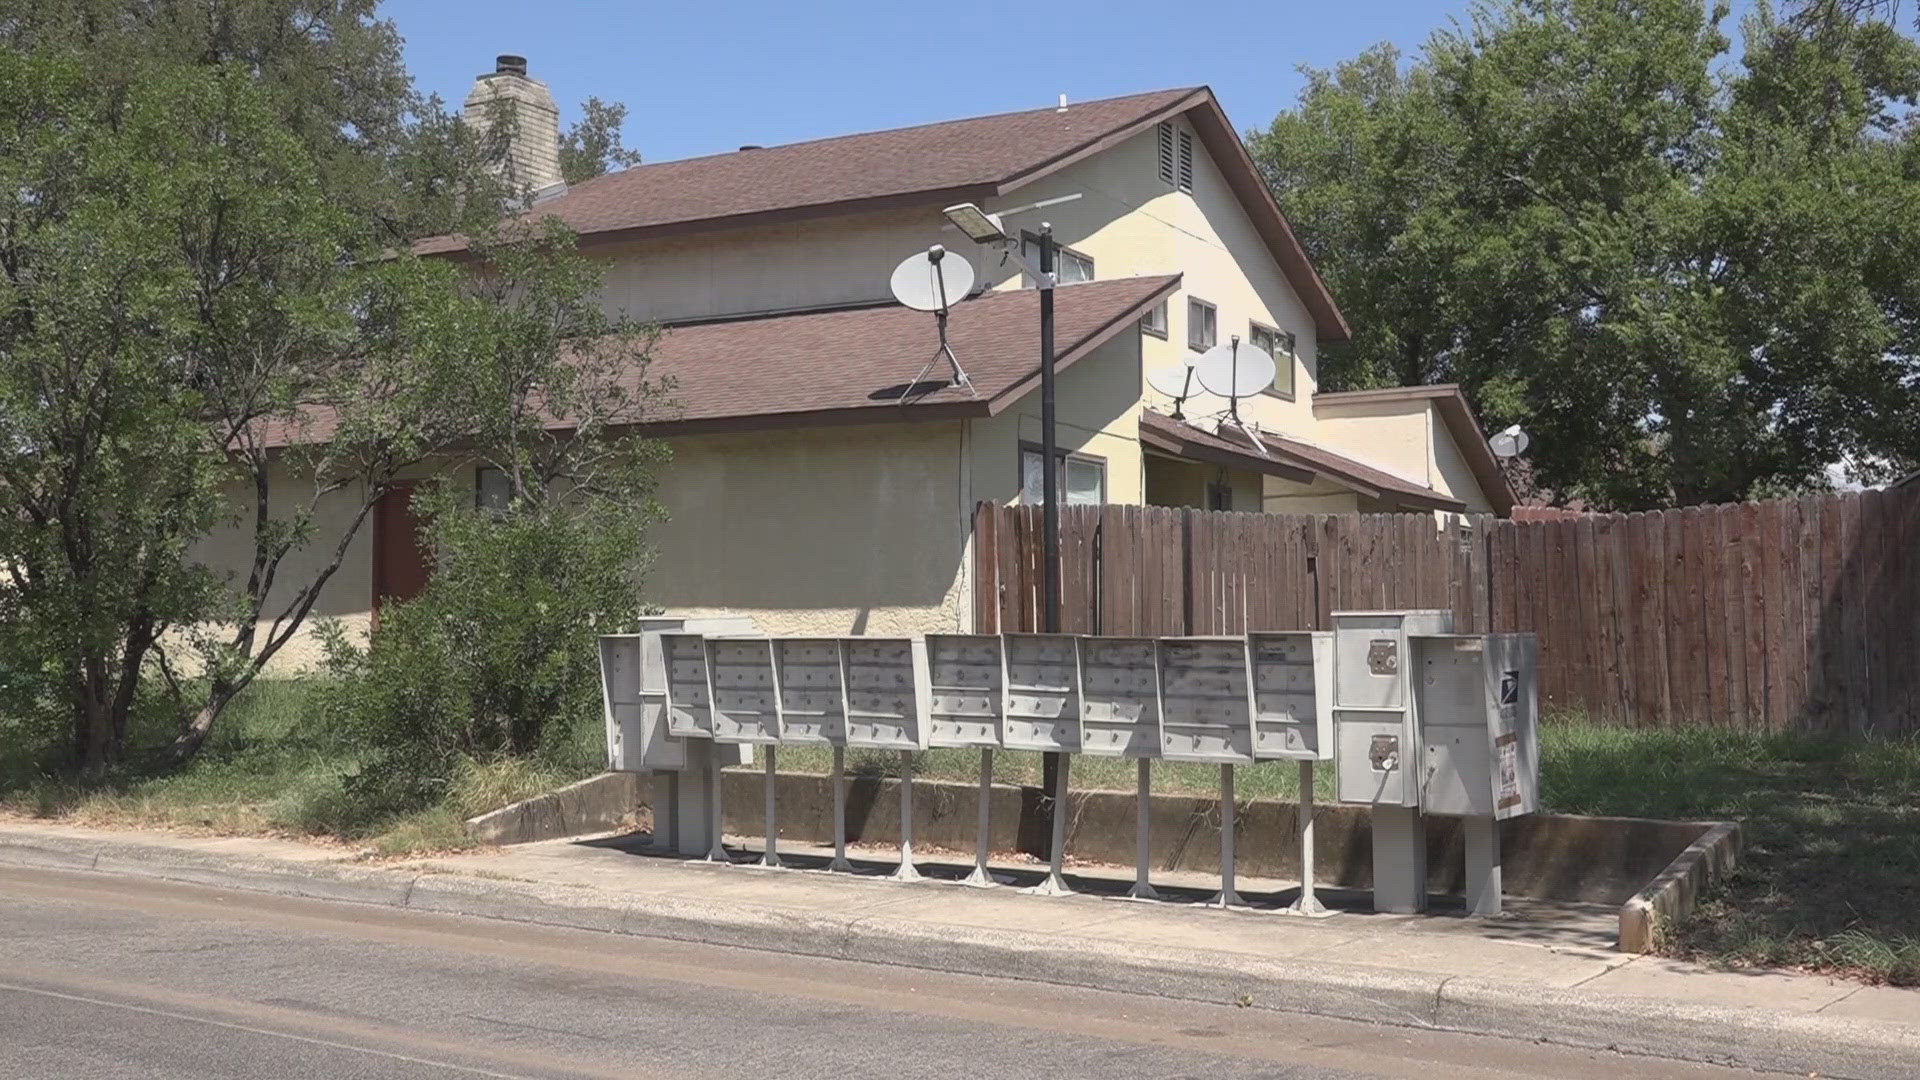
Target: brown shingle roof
x,y
981,152
969,160
858,365
1289,459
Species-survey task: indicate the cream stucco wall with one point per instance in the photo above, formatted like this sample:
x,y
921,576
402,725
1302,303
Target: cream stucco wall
x,y
348,594
848,530
1097,414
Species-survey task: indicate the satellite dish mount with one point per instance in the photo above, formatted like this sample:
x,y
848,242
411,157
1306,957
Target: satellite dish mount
x,y
931,281
1234,371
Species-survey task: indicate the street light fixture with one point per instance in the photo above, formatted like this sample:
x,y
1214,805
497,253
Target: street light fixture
x,y
976,224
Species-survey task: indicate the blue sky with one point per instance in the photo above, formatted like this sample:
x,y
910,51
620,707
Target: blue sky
x,y
704,78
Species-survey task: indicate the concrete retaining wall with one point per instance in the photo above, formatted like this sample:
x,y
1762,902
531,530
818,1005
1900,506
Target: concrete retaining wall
x,y
596,804
1551,856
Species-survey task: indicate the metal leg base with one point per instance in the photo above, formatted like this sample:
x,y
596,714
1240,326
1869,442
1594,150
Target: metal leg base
x,y
907,871
1308,906
1053,885
840,865
1143,891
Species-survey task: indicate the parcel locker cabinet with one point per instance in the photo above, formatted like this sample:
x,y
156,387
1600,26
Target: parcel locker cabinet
x,y
1292,695
1119,697
1376,726
813,701
744,704
1477,707
689,706
1042,678
964,694
1206,708
883,677
1370,650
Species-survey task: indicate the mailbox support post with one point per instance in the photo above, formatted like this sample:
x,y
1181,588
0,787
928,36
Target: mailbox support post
x,y
664,785
840,862
1227,896
770,858
1055,884
1142,851
980,877
1399,859
702,759
1482,836
907,871
1307,903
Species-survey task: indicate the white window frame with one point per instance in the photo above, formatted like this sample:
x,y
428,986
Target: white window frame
x,y
1154,322
1030,247
1195,305
1032,450
1283,356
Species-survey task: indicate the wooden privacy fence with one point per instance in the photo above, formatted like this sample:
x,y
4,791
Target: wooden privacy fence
x,y
1799,613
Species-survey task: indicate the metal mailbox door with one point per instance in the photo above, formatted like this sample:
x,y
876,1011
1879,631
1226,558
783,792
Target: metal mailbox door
x,y
1375,761
745,705
621,701
1119,697
1513,679
1292,700
964,694
1451,683
883,678
1368,666
689,704
1206,709
813,701
1042,692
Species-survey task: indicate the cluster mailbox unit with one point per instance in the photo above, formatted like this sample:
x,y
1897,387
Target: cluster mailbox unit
x,y
1432,722
1418,720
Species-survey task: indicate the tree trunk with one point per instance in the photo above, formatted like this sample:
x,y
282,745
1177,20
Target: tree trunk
x,y
93,746
194,735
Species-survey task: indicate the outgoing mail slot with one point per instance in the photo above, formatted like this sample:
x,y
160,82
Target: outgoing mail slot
x,y
964,692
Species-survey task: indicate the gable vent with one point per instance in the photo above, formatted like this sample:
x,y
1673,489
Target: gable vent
x,y
1166,152
1186,163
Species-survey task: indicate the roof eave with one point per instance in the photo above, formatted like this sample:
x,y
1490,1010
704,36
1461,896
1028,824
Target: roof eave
x,y
1105,332
1461,425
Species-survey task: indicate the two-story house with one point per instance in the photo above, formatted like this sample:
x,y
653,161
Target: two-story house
x,y
813,488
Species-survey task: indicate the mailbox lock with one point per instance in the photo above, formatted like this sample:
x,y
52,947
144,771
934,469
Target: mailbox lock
x,y
1384,753
1383,656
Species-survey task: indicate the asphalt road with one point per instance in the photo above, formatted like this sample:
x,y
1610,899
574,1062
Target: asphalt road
x,y
121,977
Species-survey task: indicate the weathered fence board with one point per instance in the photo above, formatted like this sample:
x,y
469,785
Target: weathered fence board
x,y
1791,614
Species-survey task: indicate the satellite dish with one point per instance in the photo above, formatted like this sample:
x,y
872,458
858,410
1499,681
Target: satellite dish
x,y
933,280
1173,380
1510,443
1235,370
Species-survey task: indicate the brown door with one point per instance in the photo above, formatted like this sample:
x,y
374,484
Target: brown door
x,y
400,563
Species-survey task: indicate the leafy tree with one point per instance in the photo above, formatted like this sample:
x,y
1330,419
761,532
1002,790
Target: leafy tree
x,y
592,147
206,334
1686,286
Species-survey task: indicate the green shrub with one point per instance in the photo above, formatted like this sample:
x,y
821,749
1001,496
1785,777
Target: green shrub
x,y
495,659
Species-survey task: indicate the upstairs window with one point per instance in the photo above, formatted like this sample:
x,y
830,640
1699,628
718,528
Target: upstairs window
x,y
1155,320
492,489
1278,344
1069,266
1203,330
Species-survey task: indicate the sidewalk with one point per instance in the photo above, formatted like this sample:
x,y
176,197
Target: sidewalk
x,y
1545,971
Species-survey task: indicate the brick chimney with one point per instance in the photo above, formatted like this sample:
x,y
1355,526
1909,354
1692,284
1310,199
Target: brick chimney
x,y
533,158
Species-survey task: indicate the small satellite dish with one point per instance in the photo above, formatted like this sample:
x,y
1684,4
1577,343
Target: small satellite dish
x,y
1510,443
1173,380
1176,381
1235,370
932,280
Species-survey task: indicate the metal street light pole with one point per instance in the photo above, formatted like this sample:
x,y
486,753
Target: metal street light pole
x,y
1049,488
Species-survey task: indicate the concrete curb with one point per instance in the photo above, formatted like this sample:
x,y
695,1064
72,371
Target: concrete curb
x,y
1673,894
1751,1038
